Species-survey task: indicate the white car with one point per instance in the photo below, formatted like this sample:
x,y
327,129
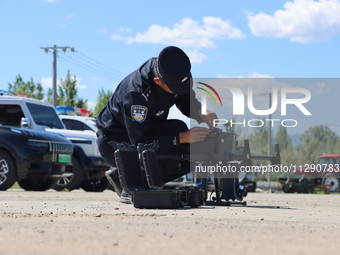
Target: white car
x,y
88,167
79,123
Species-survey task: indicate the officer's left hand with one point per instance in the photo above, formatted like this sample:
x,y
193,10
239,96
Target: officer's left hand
x,y
209,118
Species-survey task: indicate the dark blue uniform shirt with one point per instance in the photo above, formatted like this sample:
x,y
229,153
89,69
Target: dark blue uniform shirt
x,y
139,104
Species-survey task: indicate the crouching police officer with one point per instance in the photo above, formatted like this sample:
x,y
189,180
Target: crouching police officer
x,y
137,113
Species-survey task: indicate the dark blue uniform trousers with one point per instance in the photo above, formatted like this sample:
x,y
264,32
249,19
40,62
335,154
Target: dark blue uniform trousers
x,y
171,169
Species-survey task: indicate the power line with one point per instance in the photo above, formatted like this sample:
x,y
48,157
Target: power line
x,y
89,68
107,70
102,65
93,66
83,61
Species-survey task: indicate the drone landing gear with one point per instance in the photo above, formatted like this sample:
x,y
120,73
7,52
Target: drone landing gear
x,y
227,190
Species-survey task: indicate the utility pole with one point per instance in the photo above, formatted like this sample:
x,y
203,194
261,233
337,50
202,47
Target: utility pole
x,y
54,50
270,141
269,138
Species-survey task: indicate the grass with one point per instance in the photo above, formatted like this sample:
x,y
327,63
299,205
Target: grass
x,y
321,191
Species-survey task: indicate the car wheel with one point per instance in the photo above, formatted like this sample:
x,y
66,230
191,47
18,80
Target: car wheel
x,y
75,180
95,185
333,180
7,171
37,184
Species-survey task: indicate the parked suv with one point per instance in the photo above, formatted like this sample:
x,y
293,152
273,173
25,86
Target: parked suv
x,y
35,159
88,167
79,123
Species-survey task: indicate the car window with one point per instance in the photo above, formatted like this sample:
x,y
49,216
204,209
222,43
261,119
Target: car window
x,y
10,115
76,125
92,121
44,115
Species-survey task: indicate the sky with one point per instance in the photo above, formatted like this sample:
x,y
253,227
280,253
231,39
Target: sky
x,y
223,39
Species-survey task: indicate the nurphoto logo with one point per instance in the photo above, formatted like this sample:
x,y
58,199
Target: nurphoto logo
x,y
242,98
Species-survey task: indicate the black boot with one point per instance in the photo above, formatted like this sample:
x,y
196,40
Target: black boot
x,y
112,176
125,197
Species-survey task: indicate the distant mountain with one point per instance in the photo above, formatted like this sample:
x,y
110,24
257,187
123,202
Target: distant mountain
x,y
295,139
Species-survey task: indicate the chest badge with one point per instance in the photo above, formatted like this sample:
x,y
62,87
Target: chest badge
x,y
139,113
159,113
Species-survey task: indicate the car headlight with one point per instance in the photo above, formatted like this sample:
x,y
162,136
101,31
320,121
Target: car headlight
x,y
38,144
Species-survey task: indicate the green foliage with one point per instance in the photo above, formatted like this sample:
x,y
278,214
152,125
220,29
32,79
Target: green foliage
x,y
286,146
315,141
68,93
228,127
259,139
29,88
49,96
102,99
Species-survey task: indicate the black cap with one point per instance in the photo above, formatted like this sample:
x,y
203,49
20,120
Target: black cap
x,y
173,67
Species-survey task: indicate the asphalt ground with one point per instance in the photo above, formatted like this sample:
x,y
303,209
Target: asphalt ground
x,y
84,223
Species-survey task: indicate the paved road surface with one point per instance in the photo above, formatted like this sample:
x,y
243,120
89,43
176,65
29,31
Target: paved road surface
x,y
84,223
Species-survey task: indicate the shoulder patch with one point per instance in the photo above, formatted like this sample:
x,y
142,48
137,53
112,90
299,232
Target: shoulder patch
x,y
139,113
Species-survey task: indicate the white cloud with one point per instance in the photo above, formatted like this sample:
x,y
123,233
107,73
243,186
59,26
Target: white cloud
x,y
227,76
301,21
47,82
125,29
95,79
79,85
91,106
116,37
187,33
254,74
195,56
103,31
319,89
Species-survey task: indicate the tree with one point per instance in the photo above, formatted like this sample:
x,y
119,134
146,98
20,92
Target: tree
x,y
49,96
259,139
30,89
102,99
315,141
335,147
68,93
286,146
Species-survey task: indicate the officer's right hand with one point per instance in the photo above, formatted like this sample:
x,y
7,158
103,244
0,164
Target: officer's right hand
x,y
196,134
